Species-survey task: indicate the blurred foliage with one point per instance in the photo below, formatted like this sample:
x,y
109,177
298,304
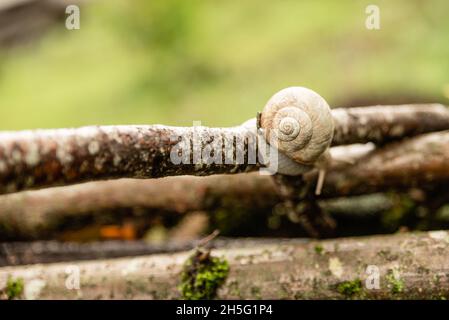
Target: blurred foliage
x,y
176,61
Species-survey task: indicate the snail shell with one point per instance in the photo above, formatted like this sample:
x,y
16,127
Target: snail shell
x,y
298,122
284,164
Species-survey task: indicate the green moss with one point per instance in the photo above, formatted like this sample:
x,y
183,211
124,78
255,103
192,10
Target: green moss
x,y
319,249
350,288
202,275
14,288
396,284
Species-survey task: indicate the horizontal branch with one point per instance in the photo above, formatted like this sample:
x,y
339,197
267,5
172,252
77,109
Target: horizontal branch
x,y
401,266
418,161
24,253
39,158
32,159
36,214
414,162
381,124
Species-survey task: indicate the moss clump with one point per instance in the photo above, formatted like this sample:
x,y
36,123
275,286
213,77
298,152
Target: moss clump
x,y
350,288
319,249
202,275
14,288
396,284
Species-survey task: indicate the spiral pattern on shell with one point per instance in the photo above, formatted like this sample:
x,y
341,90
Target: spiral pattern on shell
x,y
298,122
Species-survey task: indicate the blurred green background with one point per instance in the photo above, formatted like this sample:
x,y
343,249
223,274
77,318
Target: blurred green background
x,y
173,62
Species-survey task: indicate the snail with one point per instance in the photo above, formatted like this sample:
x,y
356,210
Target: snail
x,y
298,123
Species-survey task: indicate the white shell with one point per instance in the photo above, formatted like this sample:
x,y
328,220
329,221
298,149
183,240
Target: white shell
x,y
298,122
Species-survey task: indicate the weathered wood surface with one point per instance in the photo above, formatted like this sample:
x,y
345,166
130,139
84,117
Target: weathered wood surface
x,y
32,159
381,124
410,266
37,252
419,161
64,156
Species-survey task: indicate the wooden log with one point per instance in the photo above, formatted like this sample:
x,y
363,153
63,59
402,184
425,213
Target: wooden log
x,y
401,266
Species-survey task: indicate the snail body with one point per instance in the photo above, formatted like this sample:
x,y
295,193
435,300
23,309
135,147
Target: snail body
x,y
298,123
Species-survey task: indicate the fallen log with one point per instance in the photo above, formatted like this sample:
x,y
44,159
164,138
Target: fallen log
x,y
32,159
414,162
401,266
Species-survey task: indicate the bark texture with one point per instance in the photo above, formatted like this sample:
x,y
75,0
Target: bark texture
x,y
31,159
35,214
381,124
407,266
23,253
418,161
415,162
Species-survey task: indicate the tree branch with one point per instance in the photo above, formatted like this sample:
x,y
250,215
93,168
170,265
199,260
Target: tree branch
x,y
414,162
32,159
418,161
381,124
52,157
